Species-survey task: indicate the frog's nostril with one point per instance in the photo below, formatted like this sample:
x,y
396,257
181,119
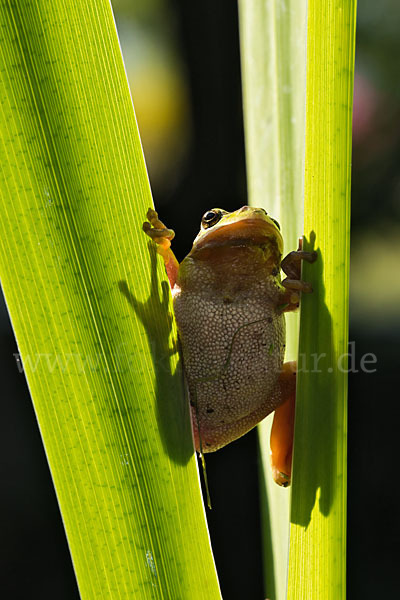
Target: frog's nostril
x,y
244,209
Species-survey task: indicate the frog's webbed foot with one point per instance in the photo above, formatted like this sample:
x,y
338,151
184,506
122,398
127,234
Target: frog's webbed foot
x,y
291,266
162,236
158,232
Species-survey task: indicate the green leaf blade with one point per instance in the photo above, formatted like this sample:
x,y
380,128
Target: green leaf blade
x,y
317,567
91,319
273,64
273,51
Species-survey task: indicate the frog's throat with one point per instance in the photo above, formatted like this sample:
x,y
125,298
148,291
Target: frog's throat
x,y
231,260
244,232
229,270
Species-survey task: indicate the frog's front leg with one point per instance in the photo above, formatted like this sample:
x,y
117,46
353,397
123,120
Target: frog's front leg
x,y
162,236
291,266
281,441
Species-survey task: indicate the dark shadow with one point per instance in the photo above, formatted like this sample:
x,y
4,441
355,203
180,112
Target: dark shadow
x,y
235,522
318,444
172,412
267,549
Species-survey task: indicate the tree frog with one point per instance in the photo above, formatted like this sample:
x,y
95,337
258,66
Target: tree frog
x,y
229,303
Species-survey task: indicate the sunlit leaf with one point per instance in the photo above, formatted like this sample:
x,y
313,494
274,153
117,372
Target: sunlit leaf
x,y
273,49
317,566
91,308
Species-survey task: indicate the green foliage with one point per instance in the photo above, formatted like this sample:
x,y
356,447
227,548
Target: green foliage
x,y
274,65
273,49
91,308
317,567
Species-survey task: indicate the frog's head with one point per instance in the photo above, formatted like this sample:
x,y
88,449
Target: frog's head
x,y
247,226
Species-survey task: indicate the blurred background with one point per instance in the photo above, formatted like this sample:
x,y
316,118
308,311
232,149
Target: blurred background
x,y
184,69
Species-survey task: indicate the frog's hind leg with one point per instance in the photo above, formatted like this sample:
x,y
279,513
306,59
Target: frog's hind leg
x,y
282,431
162,236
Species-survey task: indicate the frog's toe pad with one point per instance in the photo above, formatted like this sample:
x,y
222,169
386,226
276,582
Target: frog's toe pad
x,y
280,478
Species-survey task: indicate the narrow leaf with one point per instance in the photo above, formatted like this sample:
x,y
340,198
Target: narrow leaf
x,y
317,568
91,308
273,51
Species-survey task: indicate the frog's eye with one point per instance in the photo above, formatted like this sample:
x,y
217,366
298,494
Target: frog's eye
x,y
210,218
276,223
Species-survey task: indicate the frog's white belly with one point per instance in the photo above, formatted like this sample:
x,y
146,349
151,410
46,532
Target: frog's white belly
x,y
233,351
